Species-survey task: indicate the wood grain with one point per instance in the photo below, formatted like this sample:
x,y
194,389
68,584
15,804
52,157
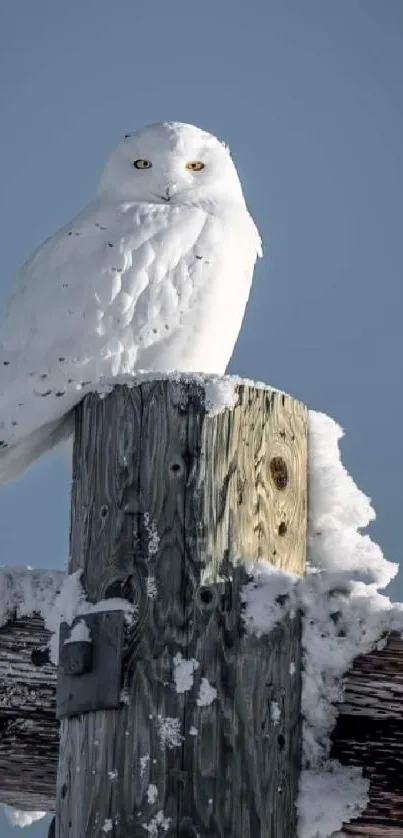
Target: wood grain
x,y
369,730
369,733
29,733
168,505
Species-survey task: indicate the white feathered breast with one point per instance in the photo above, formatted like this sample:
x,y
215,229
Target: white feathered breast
x,y
124,287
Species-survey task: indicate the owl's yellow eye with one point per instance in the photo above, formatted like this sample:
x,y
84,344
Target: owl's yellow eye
x,y
142,164
195,165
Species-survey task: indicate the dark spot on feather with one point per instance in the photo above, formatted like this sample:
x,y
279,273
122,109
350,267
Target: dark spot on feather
x,y
43,375
6,363
76,234
166,326
3,444
199,257
85,383
46,393
60,393
69,381
155,331
14,423
127,136
110,244
100,226
61,360
65,285
70,233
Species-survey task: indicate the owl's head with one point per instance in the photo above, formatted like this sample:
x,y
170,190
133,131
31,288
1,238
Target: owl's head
x,y
171,162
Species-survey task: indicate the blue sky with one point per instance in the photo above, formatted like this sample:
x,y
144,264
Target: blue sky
x,y
309,97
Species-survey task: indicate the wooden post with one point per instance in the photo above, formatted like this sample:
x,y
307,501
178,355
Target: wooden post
x,y
369,729
168,505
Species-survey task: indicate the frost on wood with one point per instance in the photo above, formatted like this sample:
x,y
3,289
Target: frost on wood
x,y
169,732
275,712
18,818
152,534
24,591
344,615
70,602
79,632
152,794
337,511
207,693
144,762
157,825
183,672
220,394
328,797
264,596
220,390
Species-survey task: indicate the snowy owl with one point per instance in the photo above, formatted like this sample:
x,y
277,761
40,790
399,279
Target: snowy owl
x,y
153,275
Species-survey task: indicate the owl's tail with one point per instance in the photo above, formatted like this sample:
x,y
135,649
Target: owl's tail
x,y
16,458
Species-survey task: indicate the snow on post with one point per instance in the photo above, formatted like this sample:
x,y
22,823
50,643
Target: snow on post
x,y
171,486
192,510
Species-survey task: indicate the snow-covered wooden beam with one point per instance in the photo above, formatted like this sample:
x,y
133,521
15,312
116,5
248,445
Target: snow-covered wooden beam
x,y
29,732
369,733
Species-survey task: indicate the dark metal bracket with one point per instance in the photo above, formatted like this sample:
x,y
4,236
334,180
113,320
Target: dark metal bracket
x,y
89,671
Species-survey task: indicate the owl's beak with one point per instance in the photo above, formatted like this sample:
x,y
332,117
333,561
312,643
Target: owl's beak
x,y
169,192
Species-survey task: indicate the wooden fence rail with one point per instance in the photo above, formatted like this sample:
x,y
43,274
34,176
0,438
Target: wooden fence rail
x,y
368,732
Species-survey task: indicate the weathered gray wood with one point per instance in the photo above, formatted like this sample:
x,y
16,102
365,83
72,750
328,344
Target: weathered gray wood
x,y
165,497
369,733
29,733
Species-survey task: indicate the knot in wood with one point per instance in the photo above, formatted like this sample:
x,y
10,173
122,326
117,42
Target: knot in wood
x,y
206,597
279,472
177,467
